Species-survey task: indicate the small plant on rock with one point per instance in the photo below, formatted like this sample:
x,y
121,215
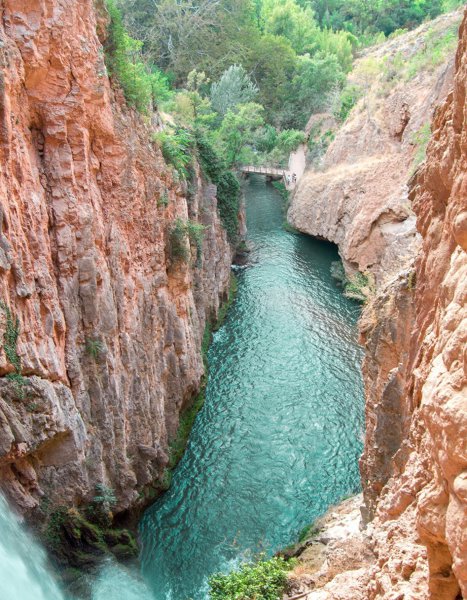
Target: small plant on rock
x,y
94,348
358,287
10,341
105,497
182,235
263,580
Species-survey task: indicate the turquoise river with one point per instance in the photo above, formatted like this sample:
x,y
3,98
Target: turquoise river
x,y
278,439
275,444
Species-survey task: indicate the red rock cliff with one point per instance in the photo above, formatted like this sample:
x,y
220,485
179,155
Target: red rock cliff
x,y
110,331
414,467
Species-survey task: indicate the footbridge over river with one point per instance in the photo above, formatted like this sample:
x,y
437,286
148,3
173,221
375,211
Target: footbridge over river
x,y
290,176
273,172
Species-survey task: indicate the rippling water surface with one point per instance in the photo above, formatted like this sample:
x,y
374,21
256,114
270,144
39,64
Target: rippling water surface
x,y
279,436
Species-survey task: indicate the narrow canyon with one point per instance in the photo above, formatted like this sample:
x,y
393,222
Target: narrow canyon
x,y
114,270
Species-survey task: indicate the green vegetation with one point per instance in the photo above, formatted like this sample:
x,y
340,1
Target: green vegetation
x,y
163,200
318,143
246,76
177,149
286,226
183,234
142,87
347,100
185,425
420,140
19,384
228,186
10,341
311,530
434,51
233,88
78,539
10,337
361,17
262,580
313,44
227,304
357,287
94,347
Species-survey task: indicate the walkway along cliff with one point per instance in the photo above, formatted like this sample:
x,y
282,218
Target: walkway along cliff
x,y
414,328
101,326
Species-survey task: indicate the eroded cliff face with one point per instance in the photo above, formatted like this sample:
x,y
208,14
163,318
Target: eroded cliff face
x,y
427,490
110,326
357,195
414,329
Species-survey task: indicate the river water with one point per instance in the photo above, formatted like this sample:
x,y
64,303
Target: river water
x,y
278,438
276,443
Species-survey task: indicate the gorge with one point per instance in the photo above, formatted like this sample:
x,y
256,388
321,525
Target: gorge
x,y
112,267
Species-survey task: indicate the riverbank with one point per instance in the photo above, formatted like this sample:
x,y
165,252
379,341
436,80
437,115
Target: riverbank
x,y
336,543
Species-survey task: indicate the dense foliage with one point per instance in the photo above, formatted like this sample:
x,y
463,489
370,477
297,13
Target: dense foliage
x,y
361,16
240,78
228,186
143,88
264,580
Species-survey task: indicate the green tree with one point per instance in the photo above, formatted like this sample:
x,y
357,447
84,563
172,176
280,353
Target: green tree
x,y
238,130
182,35
234,87
293,22
264,580
142,88
315,79
272,66
289,139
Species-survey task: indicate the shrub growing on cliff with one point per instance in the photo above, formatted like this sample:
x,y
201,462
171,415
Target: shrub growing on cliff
x,y
177,148
264,580
142,88
10,340
358,287
182,235
420,140
347,100
228,186
94,347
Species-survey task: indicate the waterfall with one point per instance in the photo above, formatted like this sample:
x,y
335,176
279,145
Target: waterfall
x,y
23,563
24,572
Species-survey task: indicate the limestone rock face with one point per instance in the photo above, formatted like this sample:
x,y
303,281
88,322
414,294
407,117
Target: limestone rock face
x,y
414,465
427,488
357,197
110,327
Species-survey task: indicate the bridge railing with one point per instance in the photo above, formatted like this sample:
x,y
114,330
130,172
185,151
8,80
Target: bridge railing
x,y
264,170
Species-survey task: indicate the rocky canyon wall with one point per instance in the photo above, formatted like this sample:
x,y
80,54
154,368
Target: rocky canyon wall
x,y
110,327
414,329
357,194
426,493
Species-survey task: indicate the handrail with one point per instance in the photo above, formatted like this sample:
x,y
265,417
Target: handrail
x,y
264,170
